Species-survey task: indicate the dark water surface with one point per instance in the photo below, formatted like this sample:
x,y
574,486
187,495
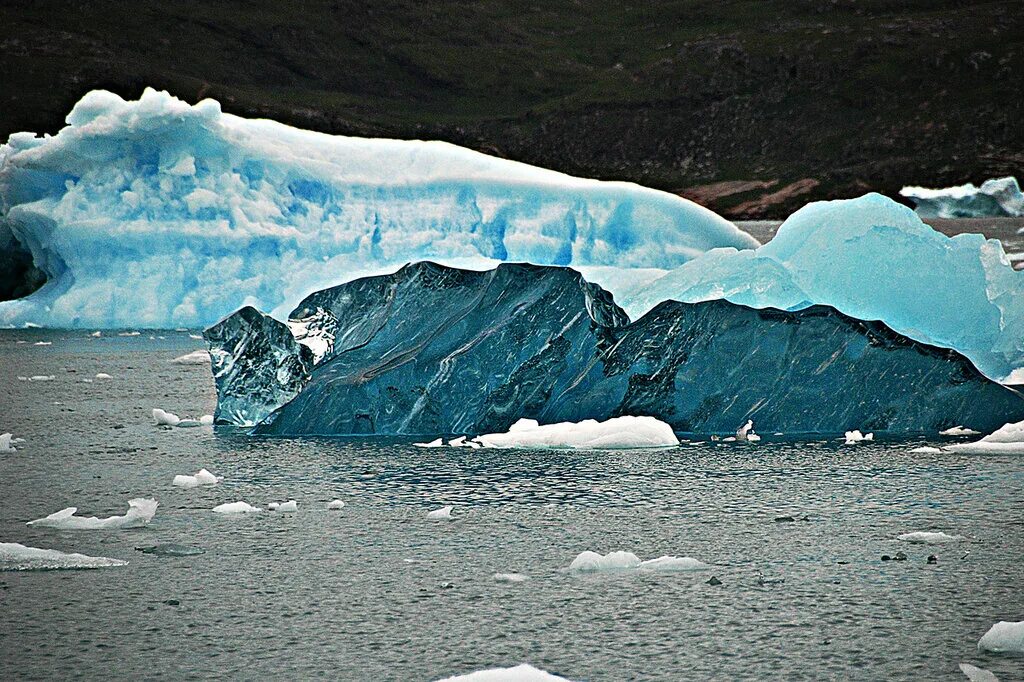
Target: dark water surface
x,y
378,591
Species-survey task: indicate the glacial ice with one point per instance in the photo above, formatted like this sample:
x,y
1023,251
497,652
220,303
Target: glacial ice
x,y
442,513
1004,637
959,431
201,477
519,673
140,512
872,259
17,557
196,357
976,674
334,505
235,508
1007,439
995,198
509,577
621,561
6,440
287,507
929,538
856,436
436,443
616,433
103,375
927,449
156,213
163,418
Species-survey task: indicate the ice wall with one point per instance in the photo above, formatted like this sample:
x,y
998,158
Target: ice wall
x,y
161,214
872,259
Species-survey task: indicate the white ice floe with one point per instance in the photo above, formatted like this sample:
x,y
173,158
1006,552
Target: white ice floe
x,y
1007,439
197,337
198,357
1004,637
96,334
976,674
746,432
38,377
43,343
235,508
856,436
206,420
959,431
520,673
927,449
289,506
103,375
140,513
16,557
615,433
336,504
442,513
201,477
163,418
624,561
272,506
439,443
509,577
6,440
927,538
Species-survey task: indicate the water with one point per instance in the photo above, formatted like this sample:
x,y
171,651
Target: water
x,y
378,591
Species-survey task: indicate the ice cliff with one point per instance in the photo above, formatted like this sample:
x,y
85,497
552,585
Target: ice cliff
x,y
155,213
438,350
995,198
872,259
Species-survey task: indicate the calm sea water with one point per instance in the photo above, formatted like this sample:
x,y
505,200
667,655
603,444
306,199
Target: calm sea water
x,y
378,591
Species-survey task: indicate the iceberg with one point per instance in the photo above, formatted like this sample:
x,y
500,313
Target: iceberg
x,y
335,505
872,259
623,561
997,197
6,440
235,508
976,674
436,350
1008,439
286,507
519,673
616,433
140,512
17,557
509,577
164,418
856,436
157,213
201,477
442,513
927,538
959,431
196,357
1003,638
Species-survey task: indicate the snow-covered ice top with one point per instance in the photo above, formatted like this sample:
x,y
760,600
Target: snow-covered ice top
x,y
17,557
519,673
615,433
996,197
201,477
157,213
140,512
1007,439
1004,637
872,259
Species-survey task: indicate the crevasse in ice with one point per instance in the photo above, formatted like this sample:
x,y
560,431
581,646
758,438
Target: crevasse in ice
x,y
872,259
157,213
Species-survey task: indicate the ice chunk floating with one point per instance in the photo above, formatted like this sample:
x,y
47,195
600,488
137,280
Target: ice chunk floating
x,y
201,477
1007,439
16,557
519,673
616,433
929,538
140,513
995,198
872,259
1004,638
623,561
156,213
235,508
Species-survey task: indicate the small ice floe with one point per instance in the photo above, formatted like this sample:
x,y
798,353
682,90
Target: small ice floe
x,y
96,334
197,337
235,508
927,449
130,334
746,432
1009,438
286,507
198,357
201,477
509,577
1004,637
442,513
43,343
624,561
616,433
206,420
103,375
140,513
856,436
976,674
163,418
272,506
519,673
432,444
16,557
926,538
334,505
959,431
6,442
38,377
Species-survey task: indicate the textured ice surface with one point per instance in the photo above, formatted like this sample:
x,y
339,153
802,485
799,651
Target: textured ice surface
x,y
235,508
1009,438
16,557
872,259
202,477
436,350
1004,638
996,197
442,513
196,357
140,512
616,433
519,673
929,538
155,213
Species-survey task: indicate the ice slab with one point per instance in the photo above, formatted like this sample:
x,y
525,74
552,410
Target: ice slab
x,y
140,513
6,440
615,433
17,557
438,443
442,513
927,449
623,561
196,357
1008,439
976,674
156,213
336,504
959,431
997,197
235,508
929,538
519,673
1005,637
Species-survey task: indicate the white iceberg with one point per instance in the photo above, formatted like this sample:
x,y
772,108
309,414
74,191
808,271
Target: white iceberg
x,y
432,444
509,577
519,673
615,433
163,418
1004,637
201,212
856,436
6,440
998,197
976,674
673,563
927,449
197,357
17,557
959,431
140,513
201,477
334,505
929,538
624,561
235,508
103,375
1008,439
206,420
442,513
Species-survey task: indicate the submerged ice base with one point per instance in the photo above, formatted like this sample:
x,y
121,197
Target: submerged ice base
x,y
155,213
